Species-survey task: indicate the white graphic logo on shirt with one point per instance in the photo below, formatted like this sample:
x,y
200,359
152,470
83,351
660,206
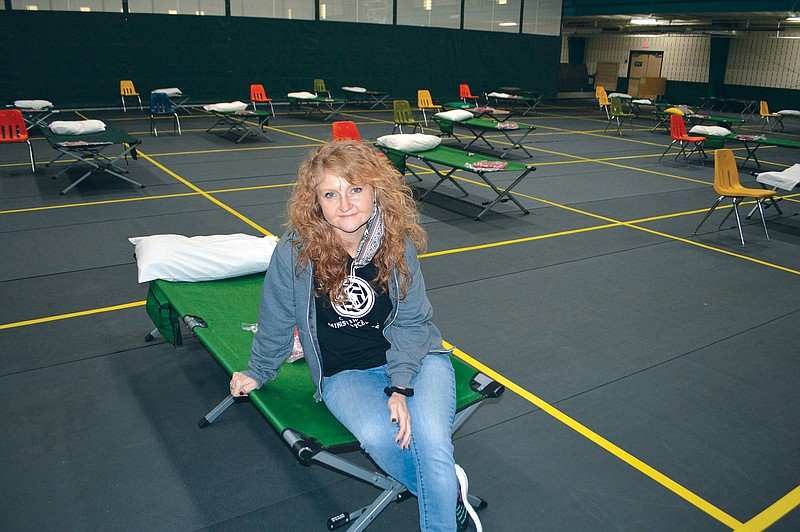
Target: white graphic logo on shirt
x,y
360,298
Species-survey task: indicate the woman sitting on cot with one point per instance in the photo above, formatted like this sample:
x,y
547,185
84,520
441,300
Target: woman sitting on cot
x,y
347,274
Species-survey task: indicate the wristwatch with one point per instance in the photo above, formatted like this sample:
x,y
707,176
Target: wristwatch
x,y
408,392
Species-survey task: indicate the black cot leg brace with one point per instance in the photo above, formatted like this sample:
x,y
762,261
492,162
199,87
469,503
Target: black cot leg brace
x,y
99,163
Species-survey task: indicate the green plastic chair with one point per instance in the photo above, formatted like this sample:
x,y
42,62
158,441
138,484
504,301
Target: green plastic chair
x,y
319,87
619,115
403,116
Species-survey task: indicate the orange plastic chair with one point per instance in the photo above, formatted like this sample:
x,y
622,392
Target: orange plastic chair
x,y
465,93
763,110
677,130
425,103
12,129
345,130
126,89
727,185
259,95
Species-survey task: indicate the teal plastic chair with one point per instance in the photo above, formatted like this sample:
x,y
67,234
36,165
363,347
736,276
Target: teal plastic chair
x,y
161,105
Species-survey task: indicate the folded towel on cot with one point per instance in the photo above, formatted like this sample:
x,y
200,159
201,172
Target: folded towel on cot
x,y
172,91
34,105
787,179
643,101
225,107
488,166
303,95
620,95
500,95
354,89
789,112
77,127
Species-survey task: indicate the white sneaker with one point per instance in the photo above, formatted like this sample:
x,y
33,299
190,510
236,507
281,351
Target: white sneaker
x,y
463,503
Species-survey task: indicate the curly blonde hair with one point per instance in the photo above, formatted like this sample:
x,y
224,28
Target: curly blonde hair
x,y
318,242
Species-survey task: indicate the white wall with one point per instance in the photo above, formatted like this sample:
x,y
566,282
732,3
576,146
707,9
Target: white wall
x,y
755,59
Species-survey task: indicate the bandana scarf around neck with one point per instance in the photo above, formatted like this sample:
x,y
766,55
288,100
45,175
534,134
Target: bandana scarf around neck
x,y
359,294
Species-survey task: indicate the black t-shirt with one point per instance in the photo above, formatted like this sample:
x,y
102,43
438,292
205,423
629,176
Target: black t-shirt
x,y
351,335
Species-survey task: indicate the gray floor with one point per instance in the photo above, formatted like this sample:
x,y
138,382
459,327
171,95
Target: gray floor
x,y
652,375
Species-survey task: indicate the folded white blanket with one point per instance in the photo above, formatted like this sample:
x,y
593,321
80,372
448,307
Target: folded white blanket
x,y
226,106
354,89
303,95
643,101
36,105
201,258
789,112
498,95
171,91
787,179
619,95
710,130
77,127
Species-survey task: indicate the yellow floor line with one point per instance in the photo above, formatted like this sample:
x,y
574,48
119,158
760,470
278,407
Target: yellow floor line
x,y
206,195
771,515
595,438
70,315
146,198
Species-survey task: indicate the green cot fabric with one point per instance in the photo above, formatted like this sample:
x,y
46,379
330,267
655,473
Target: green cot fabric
x,y
445,126
780,143
111,135
288,401
461,159
163,315
398,160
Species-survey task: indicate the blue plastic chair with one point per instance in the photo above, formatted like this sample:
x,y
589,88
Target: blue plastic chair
x,y
161,105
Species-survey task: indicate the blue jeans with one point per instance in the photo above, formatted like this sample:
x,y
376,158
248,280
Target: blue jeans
x,y
427,467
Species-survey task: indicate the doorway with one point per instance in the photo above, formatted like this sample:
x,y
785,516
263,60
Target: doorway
x,y
643,64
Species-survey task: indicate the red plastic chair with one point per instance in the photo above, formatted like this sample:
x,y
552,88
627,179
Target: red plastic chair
x,y
466,94
259,95
677,130
345,130
12,129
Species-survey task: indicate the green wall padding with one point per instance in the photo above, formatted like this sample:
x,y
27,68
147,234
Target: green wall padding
x,y
77,59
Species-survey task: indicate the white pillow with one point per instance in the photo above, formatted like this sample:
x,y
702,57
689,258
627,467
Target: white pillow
x,y
710,130
498,95
226,106
620,95
77,127
33,104
303,95
354,89
412,142
785,112
456,115
201,258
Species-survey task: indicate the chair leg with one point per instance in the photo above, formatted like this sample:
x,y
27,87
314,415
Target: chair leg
x,y
272,109
30,152
140,102
665,151
177,123
153,130
716,204
123,104
738,219
760,202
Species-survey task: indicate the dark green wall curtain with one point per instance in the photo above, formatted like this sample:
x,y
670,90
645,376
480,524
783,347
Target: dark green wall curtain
x,y
77,59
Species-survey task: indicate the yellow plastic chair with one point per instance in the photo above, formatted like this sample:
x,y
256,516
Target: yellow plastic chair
x,y
727,185
319,87
618,115
605,105
763,110
404,117
126,88
425,103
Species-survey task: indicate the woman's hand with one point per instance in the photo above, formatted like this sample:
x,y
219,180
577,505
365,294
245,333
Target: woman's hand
x,y
400,416
241,384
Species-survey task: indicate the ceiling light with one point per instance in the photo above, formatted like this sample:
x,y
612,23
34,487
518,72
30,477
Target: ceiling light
x,y
507,24
793,17
644,21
